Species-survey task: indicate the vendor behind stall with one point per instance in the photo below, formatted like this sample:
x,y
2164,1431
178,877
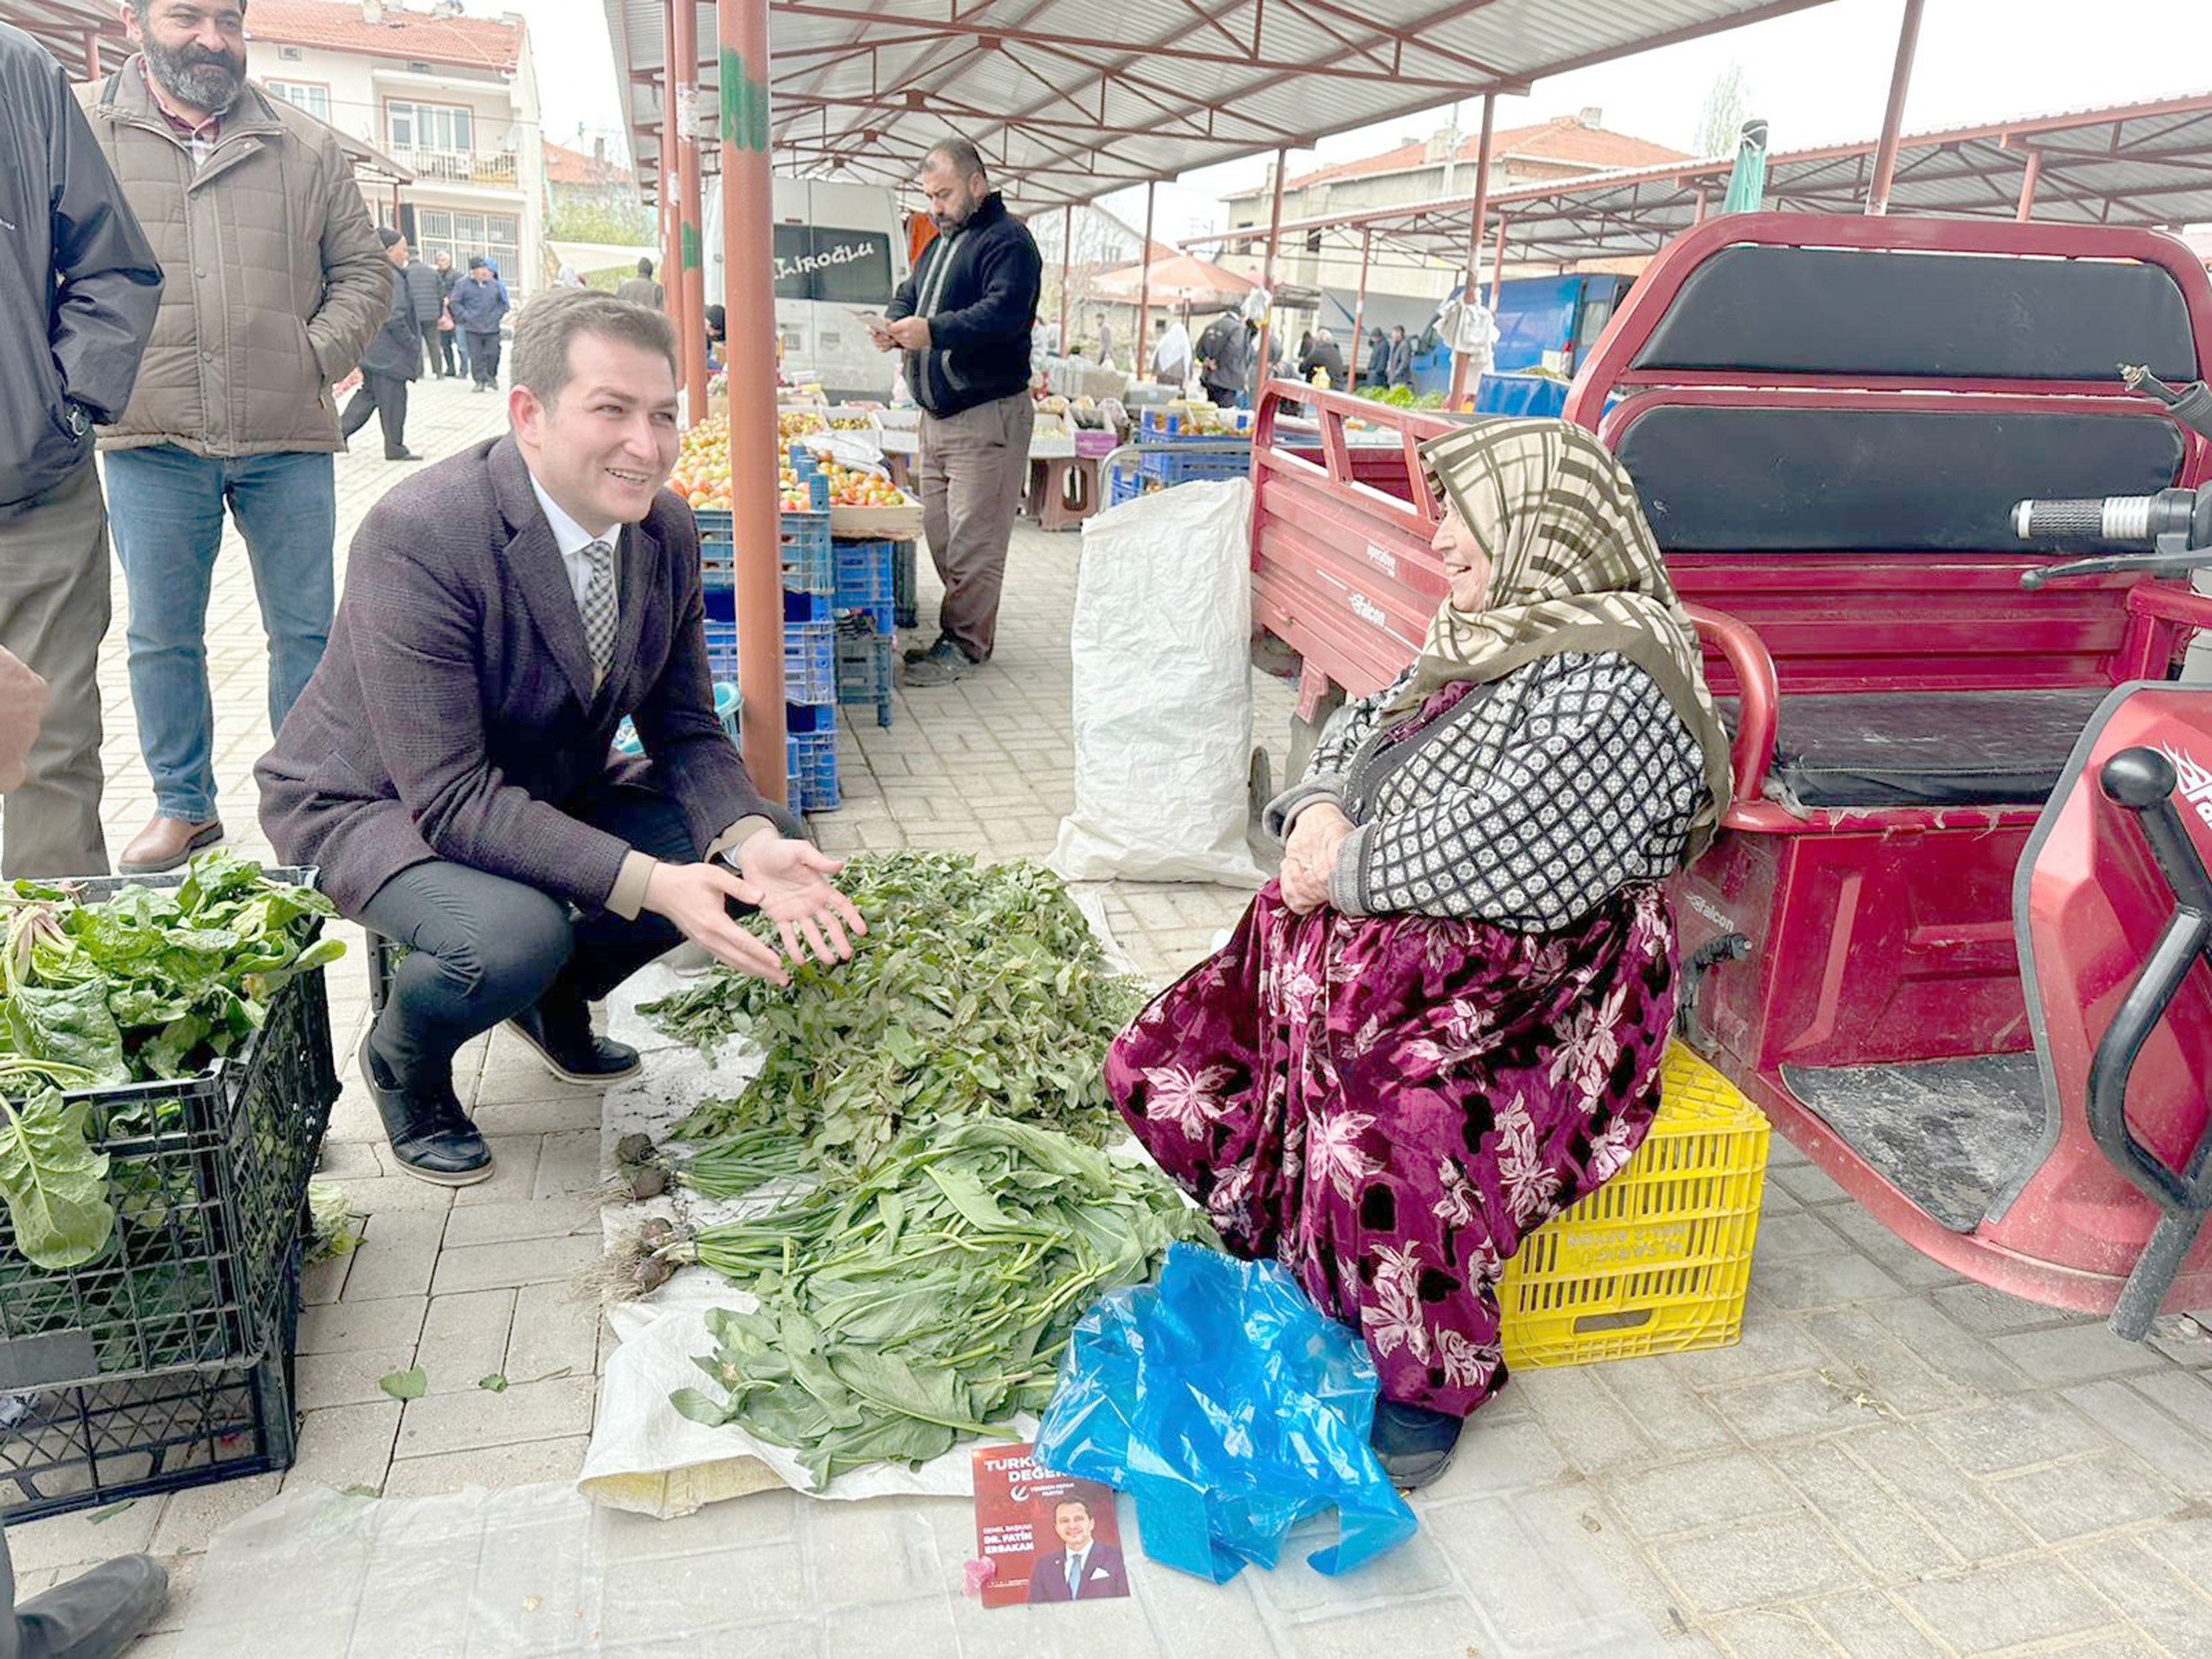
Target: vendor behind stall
x,y
447,768
1444,1024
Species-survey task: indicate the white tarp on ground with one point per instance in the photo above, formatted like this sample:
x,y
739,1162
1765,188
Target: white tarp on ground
x,y
1163,709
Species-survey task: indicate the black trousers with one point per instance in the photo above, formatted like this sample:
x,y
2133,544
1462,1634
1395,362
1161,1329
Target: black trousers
x,y
385,396
433,345
482,948
484,355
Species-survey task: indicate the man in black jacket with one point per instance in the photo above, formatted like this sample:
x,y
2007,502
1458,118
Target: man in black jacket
x,y
426,298
392,359
79,286
962,320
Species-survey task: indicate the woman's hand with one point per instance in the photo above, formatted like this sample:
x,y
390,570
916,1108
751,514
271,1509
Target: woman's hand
x,y
792,878
1316,836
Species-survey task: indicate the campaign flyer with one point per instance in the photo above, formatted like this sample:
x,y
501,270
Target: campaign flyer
x,y
1046,1537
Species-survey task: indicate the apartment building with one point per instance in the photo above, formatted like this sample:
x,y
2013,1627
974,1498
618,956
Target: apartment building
x,y
452,98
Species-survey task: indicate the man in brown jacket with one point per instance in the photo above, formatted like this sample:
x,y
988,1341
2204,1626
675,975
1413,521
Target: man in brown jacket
x,y
276,284
447,770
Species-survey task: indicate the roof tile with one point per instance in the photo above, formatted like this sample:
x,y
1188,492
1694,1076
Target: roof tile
x,y
464,42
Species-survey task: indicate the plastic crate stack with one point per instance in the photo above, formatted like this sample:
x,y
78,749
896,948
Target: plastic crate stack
x,y
165,1361
867,606
1161,468
810,632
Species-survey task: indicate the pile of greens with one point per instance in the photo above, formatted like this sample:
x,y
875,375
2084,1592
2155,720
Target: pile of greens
x,y
147,984
1403,397
931,1300
977,990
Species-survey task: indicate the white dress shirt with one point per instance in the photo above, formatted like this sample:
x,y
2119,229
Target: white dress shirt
x,y
571,538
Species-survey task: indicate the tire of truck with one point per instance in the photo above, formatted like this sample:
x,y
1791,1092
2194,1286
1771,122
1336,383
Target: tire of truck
x,y
1305,734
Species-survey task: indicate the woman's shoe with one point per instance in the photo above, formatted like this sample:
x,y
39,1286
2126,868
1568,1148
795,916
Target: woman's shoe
x,y
1413,1443
431,1135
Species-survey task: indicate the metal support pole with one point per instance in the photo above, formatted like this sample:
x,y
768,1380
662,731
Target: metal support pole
x,y
1497,259
2027,186
1698,218
1474,240
1067,252
1262,359
691,330
750,302
1894,115
671,221
1359,307
92,55
1140,355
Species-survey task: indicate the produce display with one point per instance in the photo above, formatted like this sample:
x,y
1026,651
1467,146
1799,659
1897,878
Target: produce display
x,y
941,1095
978,990
147,984
702,473
931,1303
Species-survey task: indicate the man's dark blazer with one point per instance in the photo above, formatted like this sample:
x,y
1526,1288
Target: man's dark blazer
x,y
1103,1574
453,711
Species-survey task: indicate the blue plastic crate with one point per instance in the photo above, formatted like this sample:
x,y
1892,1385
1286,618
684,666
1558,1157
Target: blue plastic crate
x,y
810,662
810,758
867,579
1168,470
808,564
1125,486
865,664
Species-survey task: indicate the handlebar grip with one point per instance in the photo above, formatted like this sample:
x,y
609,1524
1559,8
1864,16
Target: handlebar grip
x,y
2126,518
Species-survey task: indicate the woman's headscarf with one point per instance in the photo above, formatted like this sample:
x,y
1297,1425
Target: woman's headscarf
x,y
1573,569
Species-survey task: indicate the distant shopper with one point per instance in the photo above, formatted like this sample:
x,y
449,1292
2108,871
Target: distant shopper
x,y
1105,340
447,344
962,320
1171,353
1398,368
277,283
393,360
426,305
1378,371
477,302
1323,353
78,287
641,290
566,278
1221,358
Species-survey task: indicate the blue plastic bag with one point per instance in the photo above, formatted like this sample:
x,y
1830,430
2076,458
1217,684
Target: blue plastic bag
x,y
1229,1407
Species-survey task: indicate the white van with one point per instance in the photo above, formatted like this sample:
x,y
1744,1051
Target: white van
x,y
840,248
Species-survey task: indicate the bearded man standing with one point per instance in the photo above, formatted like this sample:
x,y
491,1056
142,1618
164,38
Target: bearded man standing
x,y
962,320
276,284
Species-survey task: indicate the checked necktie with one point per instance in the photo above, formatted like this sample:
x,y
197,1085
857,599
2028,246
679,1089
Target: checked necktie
x,y
598,607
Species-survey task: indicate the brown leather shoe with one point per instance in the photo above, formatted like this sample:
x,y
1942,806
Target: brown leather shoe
x,y
165,843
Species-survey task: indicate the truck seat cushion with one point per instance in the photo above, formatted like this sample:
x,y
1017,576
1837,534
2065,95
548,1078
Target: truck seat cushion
x,y
1784,480
1925,748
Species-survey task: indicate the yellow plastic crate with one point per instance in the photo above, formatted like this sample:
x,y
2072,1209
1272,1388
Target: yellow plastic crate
x,y
1655,1261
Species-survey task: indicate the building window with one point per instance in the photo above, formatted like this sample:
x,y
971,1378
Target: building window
x,y
465,236
315,100
448,128
290,55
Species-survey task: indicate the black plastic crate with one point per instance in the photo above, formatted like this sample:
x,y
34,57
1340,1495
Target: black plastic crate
x,y
903,607
97,1443
209,1178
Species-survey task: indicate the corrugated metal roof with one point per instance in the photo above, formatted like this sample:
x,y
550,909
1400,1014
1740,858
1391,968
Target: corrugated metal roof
x,y
1068,100
2141,163
63,25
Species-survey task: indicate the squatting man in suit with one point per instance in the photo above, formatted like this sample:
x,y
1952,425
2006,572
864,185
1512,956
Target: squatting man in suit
x,y
448,768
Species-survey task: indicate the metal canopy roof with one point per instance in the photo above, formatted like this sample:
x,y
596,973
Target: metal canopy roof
x,y
2141,163
64,27
1068,100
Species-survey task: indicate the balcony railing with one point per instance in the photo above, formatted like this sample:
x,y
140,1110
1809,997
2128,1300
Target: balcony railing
x,y
458,166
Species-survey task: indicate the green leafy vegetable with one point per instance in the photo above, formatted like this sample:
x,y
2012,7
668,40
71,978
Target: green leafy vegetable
x,y
404,1385
494,1384
976,989
53,1181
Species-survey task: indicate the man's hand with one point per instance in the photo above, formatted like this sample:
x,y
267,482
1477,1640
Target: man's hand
x,y
910,333
1315,839
696,898
792,880
879,337
23,699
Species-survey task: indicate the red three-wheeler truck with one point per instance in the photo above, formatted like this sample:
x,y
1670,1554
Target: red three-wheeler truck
x,y
1954,940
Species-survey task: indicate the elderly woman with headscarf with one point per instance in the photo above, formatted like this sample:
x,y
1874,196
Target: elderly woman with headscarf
x,y
1444,1023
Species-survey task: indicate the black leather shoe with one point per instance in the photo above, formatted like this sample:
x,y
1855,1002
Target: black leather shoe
x,y
403,455
915,653
559,1032
96,1615
1413,1443
430,1134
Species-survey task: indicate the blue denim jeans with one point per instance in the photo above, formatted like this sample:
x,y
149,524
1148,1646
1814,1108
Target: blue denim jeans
x,y
166,514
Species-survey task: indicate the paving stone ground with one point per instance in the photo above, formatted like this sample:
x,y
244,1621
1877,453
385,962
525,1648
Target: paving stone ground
x,y
1892,1461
